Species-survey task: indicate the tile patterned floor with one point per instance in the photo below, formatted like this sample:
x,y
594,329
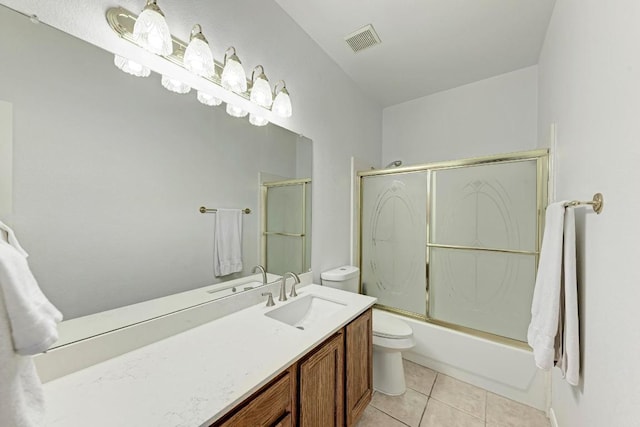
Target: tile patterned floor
x,y
436,400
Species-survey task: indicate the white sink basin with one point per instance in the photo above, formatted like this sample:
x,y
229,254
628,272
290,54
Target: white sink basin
x,y
305,311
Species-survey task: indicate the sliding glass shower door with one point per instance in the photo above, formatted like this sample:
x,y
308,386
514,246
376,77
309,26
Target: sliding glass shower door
x,y
456,243
483,246
394,223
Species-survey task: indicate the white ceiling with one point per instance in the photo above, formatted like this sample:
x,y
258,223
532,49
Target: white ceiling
x,y
427,45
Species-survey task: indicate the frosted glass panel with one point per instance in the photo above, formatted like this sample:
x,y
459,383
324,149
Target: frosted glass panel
x,y
284,209
284,254
394,212
488,291
491,206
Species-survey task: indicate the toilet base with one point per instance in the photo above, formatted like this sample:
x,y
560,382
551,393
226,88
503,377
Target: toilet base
x,y
388,372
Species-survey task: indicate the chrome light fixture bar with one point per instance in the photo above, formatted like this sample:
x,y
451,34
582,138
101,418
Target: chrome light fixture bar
x,y
123,23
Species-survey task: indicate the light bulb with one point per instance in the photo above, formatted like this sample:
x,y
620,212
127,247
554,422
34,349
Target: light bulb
x,y
257,120
233,76
151,30
282,103
208,99
260,89
131,67
198,57
175,85
235,111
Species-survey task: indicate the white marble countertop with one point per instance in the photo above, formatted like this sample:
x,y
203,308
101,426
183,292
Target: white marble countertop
x,y
193,378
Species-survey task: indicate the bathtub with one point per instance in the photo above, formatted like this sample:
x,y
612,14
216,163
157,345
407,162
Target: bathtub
x,y
499,368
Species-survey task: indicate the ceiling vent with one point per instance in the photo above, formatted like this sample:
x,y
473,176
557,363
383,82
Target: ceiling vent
x,y
363,38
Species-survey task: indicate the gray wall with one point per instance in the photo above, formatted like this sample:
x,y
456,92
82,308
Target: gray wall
x,y
589,88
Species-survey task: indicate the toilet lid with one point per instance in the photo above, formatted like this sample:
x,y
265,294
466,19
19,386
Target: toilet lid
x,y
387,326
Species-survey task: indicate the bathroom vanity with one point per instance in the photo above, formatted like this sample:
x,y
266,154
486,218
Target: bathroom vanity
x,y
330,386
304,362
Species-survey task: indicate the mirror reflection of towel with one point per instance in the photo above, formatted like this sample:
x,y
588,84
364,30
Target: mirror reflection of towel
x,y
227,242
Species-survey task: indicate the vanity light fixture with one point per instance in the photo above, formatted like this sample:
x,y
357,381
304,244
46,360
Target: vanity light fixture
x,y
235,111
151,30
282,101
233,76
175,85
208,99
256,120
198,57
131,67
260,88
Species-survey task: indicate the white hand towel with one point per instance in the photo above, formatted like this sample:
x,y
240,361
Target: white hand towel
x,y
553,331
545,308
227,243
27,326
12,239
21,396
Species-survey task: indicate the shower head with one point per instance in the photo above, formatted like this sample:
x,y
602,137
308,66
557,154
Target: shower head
x,y
394,164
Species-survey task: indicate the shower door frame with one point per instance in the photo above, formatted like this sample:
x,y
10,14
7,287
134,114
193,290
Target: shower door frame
x,y
264,233
542,183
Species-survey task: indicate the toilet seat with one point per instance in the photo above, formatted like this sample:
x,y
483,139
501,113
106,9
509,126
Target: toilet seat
x,y
387,326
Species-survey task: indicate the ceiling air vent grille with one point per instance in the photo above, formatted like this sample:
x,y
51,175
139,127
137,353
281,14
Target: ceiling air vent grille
x,y
363,38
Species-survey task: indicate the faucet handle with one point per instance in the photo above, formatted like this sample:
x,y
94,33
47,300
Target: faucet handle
x,y
270,302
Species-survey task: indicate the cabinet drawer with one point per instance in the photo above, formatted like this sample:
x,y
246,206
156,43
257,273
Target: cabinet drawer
x,y
269,406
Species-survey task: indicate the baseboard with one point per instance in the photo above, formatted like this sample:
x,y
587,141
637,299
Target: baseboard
x,y
552,418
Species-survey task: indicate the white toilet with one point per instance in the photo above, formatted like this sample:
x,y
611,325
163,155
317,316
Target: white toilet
x,y
391,336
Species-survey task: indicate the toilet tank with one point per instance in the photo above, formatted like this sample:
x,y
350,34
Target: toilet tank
x,y
346,278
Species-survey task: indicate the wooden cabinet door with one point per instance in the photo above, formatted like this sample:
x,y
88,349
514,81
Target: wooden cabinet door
x,y
322,385
273,405
359,366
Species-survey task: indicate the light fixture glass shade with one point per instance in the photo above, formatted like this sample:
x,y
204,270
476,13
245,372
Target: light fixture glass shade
x,y
208,99
198,57
282,104
261,92
175,85
257,120
235,111
233,76
151,30
131,67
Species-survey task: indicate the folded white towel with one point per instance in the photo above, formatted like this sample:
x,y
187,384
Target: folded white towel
x,y
27,326
227,243
553,331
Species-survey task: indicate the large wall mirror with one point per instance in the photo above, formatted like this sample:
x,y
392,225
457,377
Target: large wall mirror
x,y
110,170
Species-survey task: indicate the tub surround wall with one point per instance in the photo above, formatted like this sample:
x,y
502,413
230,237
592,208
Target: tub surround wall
x,y
492,116
590,88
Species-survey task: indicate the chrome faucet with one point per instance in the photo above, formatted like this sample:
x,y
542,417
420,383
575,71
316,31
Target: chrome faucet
x,y
296,280
262,270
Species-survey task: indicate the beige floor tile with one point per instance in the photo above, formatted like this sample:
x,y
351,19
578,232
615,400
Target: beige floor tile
x,y
418,377
503,412
460,395
439,414
407,408
372,417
